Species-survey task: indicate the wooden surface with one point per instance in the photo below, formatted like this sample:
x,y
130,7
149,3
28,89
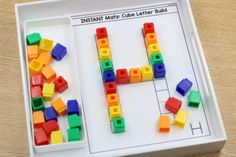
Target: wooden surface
x,y
216,22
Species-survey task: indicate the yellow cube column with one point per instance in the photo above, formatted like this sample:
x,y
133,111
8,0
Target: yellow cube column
x,y
181,118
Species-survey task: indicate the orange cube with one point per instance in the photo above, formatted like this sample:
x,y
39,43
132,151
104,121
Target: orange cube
x,y
59,106
48,73
164,123
38,119
150,38
103,43
135,75
33,52
45,57
112,100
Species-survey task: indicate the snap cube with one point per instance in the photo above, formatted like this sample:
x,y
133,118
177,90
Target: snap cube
x,y
73,135
48,73
173,104
35,66
45,58
122,76
37,104
50,114
118,125
159,70
45,45
112,100
38,119
74,121
48,91
58,52
181,118
60,84
37,80
150,38
40,137
59,106
114,112
50,126
110,87
147,73
164,123
184,86
101,33
56,137
108,76
103,43
106,65
194,98
148,28
33,52
36,91
153,48
156,58
104,54
135,75
33,38
72,107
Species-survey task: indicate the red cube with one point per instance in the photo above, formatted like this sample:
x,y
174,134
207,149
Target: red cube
x,y
101,32
36,91
60,84
40,137
50,126
110,87
173,105
37,80
122,76
148,28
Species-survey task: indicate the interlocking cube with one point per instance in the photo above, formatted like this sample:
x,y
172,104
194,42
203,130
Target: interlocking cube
x,y
50,114
194,98
112,100
181,118
45,58
37,80
48,73
33,38
104,54
35,66
150,38
74,121
122,76
173,104
148,28
59,106
73,135
36,91
50,126
147,73
110,87
156,58
56,137
103,43
108,76
48,91
33,52
118,125
38,119
164,123
60,84
184,86
153,48
37,104
73,107
159,70
59,51
40,137
101,33
135,75
114,112
106,65
45,45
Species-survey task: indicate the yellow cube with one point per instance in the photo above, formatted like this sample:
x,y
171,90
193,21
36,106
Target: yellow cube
x,y
153,48
150,38
56,137
104,54
181,118
48,91
147,73
35,66
114,112
45,45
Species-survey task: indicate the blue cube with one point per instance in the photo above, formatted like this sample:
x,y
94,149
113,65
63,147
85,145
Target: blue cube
x,y
159,70
58,52
50,114
108,76
184,86
72,107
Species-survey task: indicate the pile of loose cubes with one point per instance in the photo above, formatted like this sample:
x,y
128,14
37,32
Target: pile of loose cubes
x,y
44,82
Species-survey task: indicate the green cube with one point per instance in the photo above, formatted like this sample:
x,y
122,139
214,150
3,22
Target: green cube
x,y
73,134
118,125
33,39
106,65
156,58
194,98
74,121
37,104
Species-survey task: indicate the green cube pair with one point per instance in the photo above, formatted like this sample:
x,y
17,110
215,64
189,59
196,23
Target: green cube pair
x,y
194,99
118,125
106,65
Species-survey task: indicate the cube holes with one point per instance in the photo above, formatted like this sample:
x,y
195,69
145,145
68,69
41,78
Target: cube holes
x,y
135,71
146,69
38,102
115,110
103,41
110,85
59,80
154,47
108,75
101,31
104,51
152,36
157,57
107,64
149,26
159,67
122,72
35,64
112,97
118,121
